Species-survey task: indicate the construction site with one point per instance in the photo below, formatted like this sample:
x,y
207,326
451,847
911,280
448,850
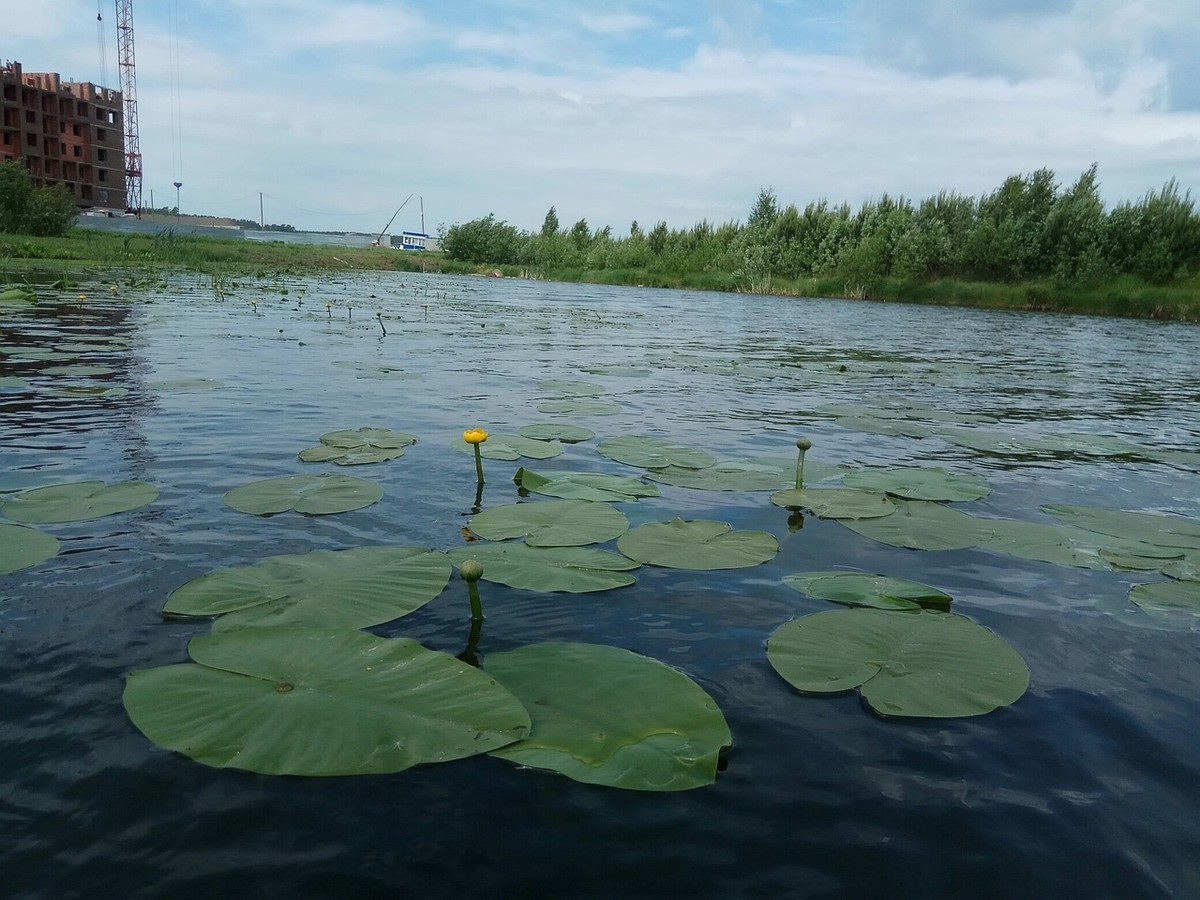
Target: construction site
x,y
77,134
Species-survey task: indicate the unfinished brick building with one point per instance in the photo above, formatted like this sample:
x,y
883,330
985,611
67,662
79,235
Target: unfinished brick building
x,y
66,132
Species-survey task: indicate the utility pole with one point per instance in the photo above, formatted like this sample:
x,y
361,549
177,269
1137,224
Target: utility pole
x,y
261,221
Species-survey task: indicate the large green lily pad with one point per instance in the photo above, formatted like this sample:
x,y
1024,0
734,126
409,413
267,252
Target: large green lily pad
x,y
920,483
924,664
1167,596
697,544
604,715
585,485
306,701
22,547
1152,528
654,453
359,446
551,523
336,588
742,474
579,407
836,503
865,589
571,388
924,525
511,446
574,570
567,434
315,495
76,501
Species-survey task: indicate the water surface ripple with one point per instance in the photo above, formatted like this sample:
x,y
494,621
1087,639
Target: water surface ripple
x,y
1087,786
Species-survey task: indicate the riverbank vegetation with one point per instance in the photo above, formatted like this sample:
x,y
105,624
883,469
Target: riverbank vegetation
x,y
1029,244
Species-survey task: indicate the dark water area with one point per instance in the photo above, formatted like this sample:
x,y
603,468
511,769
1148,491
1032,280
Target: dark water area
x,y
1089,785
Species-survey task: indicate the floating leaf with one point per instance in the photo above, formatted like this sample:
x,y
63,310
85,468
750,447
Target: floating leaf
x,y
579,407
742,474
1167,596
863,589
571,388
12,383
568,434
551,523
22,547
697,544
77,501
16,296
511,446
923,525
926,664
920,483
315,495
575,570
354,588
352,447
78,370
836,503
585,485
654,453
604,715
306,701
380,373
1152,528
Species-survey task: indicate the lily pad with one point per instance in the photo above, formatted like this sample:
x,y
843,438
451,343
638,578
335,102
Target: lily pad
x,y
306,701
742,474
567,434
315,495
352,447
654,453
585,485
22,547
579,407
920,483
923,664
571,388
16,296
924,525
354,588
551,523
575,570
836,503
604,715
77,501
1167,596
864,589
703,544
12,383
511,446
1152,528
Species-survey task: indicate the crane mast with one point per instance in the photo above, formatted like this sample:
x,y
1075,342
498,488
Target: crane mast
x,y
133,148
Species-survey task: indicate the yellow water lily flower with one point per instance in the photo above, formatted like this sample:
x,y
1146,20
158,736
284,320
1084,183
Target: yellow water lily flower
x,y
475,435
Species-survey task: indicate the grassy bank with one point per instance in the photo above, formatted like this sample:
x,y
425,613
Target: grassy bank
x,y
1122,296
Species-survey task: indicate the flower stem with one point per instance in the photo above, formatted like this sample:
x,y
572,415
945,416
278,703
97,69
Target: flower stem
x,y
802,444
478,464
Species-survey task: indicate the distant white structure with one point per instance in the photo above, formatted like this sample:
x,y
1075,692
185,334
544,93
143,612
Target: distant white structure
x,y
412,240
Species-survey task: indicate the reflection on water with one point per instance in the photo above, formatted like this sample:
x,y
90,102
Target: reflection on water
x,y
1086,785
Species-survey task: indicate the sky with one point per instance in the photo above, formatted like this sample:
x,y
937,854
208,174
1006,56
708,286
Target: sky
x,y
337,114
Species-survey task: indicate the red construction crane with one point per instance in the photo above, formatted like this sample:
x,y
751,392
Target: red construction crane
x,y
133,147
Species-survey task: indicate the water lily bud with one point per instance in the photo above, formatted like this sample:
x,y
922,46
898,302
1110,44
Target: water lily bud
x,y
803,443
471,570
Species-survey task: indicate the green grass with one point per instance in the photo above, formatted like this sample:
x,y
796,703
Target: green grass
x,y
1122,296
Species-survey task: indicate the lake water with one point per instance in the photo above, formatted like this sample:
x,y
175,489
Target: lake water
x,y
1089,785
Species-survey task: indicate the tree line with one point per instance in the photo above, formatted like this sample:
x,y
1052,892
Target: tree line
x,y
1029,228
25,209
